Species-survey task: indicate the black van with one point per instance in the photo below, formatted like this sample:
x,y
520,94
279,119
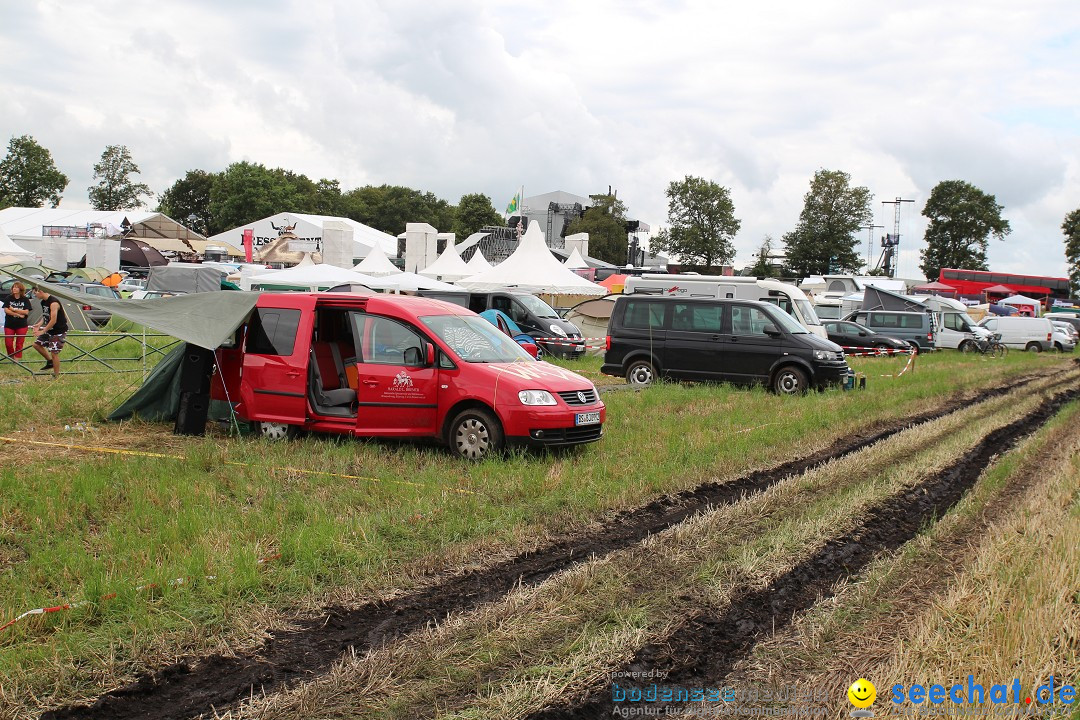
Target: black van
x,y
534,316
739,341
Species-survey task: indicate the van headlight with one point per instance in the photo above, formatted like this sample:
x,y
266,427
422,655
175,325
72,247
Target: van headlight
x,y
823,355
536,397
556,330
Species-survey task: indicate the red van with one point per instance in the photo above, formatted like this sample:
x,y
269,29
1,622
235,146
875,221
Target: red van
x,y
393,366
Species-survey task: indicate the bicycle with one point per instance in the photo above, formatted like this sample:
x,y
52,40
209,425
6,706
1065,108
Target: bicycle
x,y
991,346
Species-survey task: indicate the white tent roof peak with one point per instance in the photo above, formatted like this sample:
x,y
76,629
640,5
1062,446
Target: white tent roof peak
x,y
448,266
376,264
533,268
11,248
478,263
575,260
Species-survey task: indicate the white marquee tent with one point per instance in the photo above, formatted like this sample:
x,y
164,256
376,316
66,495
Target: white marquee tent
x,y
449,266
376,264
575,260
478,263
533,268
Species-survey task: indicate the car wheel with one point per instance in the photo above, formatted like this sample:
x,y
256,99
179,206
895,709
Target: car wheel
x,y
1034,347
475,434
275,431
914,346
967,346
1058,347
881,346
789,381
641,373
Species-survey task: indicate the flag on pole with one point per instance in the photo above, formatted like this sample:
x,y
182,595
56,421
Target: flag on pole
x,y
514,206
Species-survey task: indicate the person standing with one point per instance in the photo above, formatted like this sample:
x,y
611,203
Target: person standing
x,y
16,311
50,331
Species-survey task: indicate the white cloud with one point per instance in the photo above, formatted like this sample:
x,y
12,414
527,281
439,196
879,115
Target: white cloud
x,y
485,96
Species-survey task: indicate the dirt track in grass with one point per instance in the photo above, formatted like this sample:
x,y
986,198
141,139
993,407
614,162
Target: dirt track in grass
x,y
705,648
311,646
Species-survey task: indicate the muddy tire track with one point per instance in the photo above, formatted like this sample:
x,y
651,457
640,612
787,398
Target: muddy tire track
x,y
704,649
311,646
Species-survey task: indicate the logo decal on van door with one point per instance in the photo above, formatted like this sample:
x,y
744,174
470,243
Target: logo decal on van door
x,y
402,380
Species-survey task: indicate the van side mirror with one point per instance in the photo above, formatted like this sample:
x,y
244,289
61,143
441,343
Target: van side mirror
x,y
771,330
430,354
412,356
862,333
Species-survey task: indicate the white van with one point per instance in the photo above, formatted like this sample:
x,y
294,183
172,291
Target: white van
x,y
789,298
956,329
1023,333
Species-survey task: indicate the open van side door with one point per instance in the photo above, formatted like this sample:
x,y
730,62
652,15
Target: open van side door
x,y
274,376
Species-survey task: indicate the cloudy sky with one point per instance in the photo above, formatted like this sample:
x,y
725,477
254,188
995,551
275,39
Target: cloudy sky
x,y
473,96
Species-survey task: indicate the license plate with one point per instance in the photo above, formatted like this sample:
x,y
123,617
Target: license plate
x,y
590,418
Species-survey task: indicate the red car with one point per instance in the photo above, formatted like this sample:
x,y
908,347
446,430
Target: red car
x,y
394,366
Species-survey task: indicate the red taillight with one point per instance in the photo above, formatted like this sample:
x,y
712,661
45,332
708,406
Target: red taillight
x,y
1048,338
607,343
85,307
930,336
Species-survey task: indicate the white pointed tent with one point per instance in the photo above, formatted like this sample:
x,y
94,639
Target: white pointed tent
x,y
575,260
9,248
478,263
376,264
533,268
448,267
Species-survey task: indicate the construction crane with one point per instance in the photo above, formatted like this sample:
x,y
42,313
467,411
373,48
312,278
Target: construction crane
x,y
890,242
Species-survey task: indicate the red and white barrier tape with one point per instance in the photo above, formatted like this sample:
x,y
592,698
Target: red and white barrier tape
x,y
862,351
574,342
110,596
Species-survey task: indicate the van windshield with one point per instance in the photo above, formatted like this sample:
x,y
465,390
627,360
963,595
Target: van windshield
x,y
788,323
475,340
807,311
536,306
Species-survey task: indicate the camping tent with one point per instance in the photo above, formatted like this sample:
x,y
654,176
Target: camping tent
x,y
376,264
934,288
575,260
615,283
449,266
136,253
533,268
477,263
316,277
592,318
1024,305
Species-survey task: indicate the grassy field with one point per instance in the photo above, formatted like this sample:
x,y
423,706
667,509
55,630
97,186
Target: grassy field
x,y
109,515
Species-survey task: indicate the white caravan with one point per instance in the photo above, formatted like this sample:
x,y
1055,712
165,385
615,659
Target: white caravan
x,y
789,298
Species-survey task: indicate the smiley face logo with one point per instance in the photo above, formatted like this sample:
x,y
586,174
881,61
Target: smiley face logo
x,y
862,693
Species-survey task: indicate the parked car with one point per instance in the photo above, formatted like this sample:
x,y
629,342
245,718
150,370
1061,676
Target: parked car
x,y
99,317
502,321
739,341
535,317
913,327
853,336
1023,333
131,284
151,294
396,366
1065,336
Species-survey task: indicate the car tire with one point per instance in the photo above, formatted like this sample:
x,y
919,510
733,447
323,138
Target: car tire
x,y
474,434
882,346
915,346
275,431
789,380
640,373
967,346
1058,347
1034,347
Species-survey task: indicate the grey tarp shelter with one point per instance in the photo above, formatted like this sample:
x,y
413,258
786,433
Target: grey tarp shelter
x,y
204,319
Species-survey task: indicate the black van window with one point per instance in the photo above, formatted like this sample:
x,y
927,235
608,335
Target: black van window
x,y
911,321
749,320
642,315
698,317
885,320
272,331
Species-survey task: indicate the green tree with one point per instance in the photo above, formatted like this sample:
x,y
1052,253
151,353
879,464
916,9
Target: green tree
x,y
702,223
605,222
245,192
824,239
763,266
328,198
115,190
188,201
474,211
28,175
1071,228
962,219
390,207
